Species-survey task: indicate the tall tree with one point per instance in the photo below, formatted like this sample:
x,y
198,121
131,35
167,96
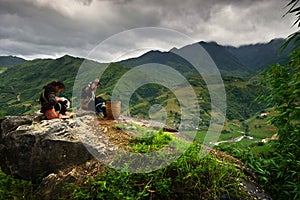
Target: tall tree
x,y
294,8
283,81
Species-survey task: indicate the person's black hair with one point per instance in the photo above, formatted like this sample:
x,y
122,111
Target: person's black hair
x,y
60,84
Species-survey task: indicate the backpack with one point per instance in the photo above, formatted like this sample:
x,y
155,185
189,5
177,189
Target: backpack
x,y
84,93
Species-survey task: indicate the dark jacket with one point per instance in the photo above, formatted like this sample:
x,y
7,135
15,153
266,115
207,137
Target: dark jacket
x,y
47,99
87,92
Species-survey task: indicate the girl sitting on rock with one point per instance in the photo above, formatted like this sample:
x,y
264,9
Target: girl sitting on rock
x,y
51,105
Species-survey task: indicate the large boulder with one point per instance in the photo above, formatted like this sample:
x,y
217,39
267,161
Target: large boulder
x,y
55,153
11,123
32,148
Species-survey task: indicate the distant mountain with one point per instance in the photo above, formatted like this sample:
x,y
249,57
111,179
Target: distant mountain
x,y
227,63
243,61
259,56
165,58
223,58
6,61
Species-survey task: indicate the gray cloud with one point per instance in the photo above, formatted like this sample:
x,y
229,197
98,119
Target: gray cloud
x,y
52,28
85,2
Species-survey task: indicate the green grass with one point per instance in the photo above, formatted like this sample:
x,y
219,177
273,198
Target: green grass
x,y
2,69
260,128
189,177
234,129
150,141
242,84
11,188
200,136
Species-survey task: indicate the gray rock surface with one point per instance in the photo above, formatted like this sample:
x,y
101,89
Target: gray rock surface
x,y
55,153
32,148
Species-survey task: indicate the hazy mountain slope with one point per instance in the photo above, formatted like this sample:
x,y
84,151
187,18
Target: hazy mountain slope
x,y
259,56
243,61
164,58
6,61
224,60
222,57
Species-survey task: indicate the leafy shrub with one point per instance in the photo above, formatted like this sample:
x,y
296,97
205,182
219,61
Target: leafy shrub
x,y
151,141
11,188
284,165
189,177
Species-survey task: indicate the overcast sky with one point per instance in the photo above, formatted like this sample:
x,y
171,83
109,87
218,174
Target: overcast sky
x,y
52,28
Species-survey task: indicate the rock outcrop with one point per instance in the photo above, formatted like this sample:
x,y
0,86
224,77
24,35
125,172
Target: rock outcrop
x,y
32,148
54,153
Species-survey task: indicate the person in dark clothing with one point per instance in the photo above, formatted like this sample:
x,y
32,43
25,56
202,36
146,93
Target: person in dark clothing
x,y
89,101
51,105
100,106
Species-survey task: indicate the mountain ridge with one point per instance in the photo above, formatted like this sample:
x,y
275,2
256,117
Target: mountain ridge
x,y
245,59
264,54
8,61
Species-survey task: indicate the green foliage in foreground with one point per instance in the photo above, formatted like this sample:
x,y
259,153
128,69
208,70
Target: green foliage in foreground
x,y
284,164
279,167
279,170
189,177
11,188
150,141
277,173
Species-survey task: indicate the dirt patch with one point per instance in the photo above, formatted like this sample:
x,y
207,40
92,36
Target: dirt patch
x,y
114,134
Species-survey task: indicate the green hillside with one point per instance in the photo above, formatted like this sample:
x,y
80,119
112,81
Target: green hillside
x,y
28,78
21,84
7,61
